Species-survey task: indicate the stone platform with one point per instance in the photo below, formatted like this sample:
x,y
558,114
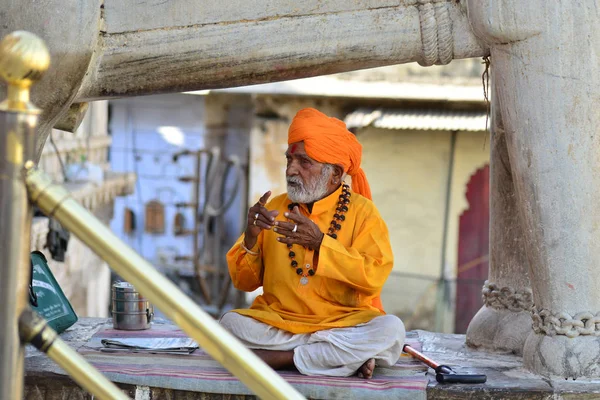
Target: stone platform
x,y
506,377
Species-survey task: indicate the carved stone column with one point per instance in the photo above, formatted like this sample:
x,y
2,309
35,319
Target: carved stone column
x,y
504,321
546,59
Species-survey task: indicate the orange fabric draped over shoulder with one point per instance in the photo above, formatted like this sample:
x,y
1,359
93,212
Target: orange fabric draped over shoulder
x,y
327,140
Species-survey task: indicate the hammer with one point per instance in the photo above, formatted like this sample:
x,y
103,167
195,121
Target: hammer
x,y
443,373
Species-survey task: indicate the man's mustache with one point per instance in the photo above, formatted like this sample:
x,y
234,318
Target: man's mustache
x,y
294,180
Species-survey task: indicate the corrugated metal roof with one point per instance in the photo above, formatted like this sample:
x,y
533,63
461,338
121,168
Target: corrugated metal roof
x,y
329,86
446,120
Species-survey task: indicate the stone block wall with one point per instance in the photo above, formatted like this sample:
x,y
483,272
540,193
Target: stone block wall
x,y
83,276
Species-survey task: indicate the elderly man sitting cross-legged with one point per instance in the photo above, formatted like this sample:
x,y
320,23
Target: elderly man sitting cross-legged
x,y
322,253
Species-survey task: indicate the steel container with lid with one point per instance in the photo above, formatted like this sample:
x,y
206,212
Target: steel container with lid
x,y
130,310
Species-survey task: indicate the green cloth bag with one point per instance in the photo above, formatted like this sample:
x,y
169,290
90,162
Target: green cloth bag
x,y
47,298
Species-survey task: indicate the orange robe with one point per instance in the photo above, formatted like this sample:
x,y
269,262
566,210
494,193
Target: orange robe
x,y
350,271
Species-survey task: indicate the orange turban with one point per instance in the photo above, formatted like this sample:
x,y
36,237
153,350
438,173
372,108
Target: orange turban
x,y
327,140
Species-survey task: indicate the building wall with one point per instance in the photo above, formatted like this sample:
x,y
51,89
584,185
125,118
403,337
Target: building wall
x,y
83,276
147,132
472,153
90,140
408,172
140,144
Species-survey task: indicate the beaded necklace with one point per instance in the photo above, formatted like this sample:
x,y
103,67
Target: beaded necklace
x,y
335,226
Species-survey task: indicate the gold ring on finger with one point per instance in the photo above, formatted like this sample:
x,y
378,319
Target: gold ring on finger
x,y
254,223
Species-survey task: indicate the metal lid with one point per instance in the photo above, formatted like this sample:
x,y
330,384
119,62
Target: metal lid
x,y
123,287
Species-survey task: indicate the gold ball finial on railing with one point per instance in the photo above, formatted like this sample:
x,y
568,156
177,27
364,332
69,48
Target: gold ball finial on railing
x,y
23,60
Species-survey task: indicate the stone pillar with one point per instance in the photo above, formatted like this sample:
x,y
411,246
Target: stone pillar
x,y
546,60
504,321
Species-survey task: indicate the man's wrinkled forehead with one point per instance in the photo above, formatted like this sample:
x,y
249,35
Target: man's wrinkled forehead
x,y
296,149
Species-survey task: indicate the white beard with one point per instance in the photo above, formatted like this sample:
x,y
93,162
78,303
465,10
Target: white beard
x,y
306,193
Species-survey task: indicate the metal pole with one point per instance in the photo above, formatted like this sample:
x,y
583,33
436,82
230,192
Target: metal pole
x,y
23,59
198,267
442,289
34,329
54,200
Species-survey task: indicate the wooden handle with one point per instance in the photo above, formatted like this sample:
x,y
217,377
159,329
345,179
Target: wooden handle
x,y
421,357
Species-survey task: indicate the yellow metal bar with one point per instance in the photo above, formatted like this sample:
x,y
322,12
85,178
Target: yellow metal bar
x,y
23,59
55,201
34,329
83,373
15,230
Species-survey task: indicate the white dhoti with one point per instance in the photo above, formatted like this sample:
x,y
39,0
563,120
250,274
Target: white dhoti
x,y
332,352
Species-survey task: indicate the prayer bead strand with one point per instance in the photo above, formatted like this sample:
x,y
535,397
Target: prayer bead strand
x,y
334,227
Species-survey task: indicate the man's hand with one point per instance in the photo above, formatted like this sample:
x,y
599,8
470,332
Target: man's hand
x,y
301,231
259,218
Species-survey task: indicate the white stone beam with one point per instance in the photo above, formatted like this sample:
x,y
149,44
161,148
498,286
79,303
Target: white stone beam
x,y
157,47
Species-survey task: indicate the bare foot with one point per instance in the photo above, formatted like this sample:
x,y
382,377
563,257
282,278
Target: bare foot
x,y
366,370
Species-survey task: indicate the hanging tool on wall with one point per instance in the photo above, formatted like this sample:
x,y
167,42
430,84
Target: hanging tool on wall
x,y
57,240
179,221
196,179
443,373
128,221
218,201
211,201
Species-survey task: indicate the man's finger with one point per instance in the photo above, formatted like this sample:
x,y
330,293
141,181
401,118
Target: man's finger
x,y
262,224
284,231
287,240
269,215
258,211
295,215
272,214
285,225
265,197
260,217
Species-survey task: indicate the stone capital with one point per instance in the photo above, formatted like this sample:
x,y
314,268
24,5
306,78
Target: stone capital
x,y
505,21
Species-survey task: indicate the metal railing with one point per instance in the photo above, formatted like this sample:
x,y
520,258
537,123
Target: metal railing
x,y
23,60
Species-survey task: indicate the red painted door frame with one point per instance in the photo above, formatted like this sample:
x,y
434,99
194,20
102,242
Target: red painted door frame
x,y
473,249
